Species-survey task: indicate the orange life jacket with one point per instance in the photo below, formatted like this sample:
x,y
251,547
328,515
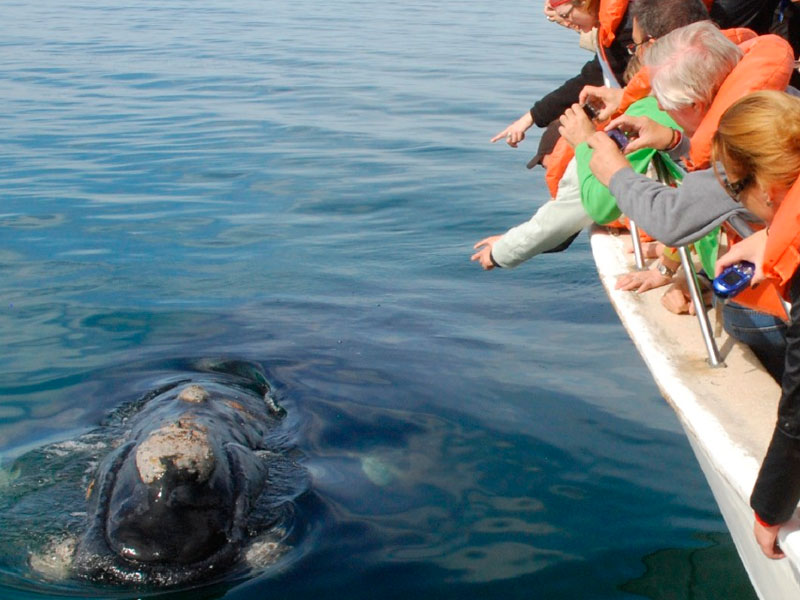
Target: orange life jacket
x,y
782,254
766,65
609,17
639,87
765,297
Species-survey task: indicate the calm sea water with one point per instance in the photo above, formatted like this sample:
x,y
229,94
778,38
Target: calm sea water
x,y
300,184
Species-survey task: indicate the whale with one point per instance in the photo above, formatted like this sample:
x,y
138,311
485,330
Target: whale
x,y
187,491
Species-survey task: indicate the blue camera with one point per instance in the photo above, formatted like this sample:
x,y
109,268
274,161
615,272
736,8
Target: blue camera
x,y
620,139
733,279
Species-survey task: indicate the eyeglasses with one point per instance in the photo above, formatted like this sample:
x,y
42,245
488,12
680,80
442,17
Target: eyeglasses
x,y
632,48
735,188
567,14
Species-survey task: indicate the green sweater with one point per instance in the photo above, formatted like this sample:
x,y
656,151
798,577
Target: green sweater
x,y
597,200
601,205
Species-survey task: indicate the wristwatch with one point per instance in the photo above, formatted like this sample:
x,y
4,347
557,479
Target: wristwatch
x,y
665,270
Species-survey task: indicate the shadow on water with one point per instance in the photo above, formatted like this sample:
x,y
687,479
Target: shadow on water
x,y
711,571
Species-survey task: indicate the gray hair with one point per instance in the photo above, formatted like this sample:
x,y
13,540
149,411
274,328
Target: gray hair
x,y
690,64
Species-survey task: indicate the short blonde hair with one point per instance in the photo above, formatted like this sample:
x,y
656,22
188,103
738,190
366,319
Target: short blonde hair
x,y
759,136
690,64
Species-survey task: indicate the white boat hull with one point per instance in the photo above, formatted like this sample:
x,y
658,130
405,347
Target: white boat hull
x,y
728,413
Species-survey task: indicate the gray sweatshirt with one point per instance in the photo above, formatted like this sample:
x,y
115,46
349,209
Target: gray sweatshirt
x,y
674,216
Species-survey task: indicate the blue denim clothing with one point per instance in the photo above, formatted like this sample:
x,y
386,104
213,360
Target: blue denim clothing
x,y
765,334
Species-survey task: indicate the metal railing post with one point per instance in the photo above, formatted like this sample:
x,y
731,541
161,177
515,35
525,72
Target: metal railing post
x,y
638,255
714,358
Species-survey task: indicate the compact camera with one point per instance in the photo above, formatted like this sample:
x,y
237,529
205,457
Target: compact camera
x,y
620,139
733,279
590,111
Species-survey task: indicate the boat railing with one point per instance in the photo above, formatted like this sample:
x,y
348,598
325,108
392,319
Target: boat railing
x,y
695,292
742,228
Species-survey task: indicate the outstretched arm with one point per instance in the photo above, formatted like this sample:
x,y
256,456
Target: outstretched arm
x,y
674,216
515,132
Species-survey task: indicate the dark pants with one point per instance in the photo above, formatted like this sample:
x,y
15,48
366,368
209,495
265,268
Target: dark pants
x,y
765,334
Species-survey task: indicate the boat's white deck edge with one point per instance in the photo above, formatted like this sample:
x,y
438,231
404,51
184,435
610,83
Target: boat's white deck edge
x,y
728,413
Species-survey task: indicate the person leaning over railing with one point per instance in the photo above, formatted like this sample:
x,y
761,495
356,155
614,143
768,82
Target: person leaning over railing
x,y
696,73
758,145
610,17
558,221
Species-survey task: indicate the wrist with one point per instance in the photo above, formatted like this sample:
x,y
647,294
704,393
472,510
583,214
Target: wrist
x,y
676,137
670,263
665,271
761,521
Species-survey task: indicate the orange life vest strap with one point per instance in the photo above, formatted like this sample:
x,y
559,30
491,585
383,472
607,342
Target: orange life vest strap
x,y
782,254
557,163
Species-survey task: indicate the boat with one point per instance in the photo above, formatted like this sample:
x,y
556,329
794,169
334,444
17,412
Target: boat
x,y
727,412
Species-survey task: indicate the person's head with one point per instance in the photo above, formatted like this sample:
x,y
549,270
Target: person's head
x,y
687,67
580,13
653,19
758,145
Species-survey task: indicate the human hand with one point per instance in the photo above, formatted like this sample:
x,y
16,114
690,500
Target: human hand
x,y
484,252
606,159
767,539
642,132
641,281
575,125
610,98
751,249
554,17
678,300
515,132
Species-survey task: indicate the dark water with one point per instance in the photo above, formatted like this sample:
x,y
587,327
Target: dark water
x,y
299,184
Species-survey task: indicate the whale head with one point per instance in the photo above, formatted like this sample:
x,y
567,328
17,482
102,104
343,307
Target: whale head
x,y
174,498
172,503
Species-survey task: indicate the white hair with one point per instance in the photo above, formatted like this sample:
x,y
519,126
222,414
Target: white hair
x,y
690,64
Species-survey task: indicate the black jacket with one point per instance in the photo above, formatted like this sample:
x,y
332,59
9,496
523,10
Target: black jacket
x,y
777,488
757,15
553,105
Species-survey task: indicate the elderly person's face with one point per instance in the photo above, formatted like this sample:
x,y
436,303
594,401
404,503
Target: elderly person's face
x,y
688,117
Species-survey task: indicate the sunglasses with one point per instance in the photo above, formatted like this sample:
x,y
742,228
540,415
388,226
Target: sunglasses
x,y
734,189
